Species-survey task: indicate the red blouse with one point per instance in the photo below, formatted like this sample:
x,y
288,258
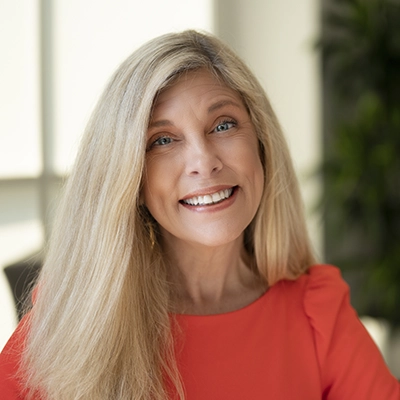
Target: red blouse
x,y
300,341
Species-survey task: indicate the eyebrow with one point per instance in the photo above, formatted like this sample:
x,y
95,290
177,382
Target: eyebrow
x,y
161,122
221,104
213,107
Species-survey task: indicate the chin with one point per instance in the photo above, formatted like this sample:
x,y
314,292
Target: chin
x,y
216,240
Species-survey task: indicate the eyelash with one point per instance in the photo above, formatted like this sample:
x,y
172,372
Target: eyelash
x,y
159,139
223,122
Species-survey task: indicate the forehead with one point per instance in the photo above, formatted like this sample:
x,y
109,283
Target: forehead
x,y
199,85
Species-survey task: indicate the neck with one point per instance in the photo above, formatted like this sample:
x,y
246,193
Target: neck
x,y
210,280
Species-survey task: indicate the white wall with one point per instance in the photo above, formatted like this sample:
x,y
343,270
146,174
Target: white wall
x,y
87,40
276,40
92,38
20,146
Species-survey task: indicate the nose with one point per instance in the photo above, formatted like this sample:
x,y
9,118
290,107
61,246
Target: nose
x,y
202,159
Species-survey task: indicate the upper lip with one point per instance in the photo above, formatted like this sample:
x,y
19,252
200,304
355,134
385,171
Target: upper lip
x,y
205,191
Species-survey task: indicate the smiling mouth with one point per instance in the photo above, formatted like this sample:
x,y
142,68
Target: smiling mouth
x,y
209,199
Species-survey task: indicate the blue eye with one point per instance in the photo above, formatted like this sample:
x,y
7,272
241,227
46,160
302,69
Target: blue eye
x,y
224,126
162,141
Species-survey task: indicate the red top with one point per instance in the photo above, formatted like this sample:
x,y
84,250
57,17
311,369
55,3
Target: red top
x,y
300,341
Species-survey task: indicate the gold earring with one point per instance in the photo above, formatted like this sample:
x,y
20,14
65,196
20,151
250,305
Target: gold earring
x,y
149,225
152,235
151,232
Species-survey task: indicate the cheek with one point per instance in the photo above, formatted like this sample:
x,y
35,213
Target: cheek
x,y
257,178
151,185
247,154
158,183
253,167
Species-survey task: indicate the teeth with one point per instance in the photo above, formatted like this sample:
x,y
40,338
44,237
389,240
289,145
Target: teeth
x,y
209,198
216,197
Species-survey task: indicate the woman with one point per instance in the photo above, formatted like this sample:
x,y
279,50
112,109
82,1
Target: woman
x,y
180,265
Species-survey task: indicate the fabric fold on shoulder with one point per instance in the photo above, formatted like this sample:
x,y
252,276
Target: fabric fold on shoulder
x,y
351,366
325,294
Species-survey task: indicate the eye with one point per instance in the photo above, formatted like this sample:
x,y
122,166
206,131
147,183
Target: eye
x,y
162,141
225,126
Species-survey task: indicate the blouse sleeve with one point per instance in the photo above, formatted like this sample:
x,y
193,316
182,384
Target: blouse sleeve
x,y
351,365
10,357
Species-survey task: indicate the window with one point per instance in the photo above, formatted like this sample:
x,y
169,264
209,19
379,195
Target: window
x,y
56,57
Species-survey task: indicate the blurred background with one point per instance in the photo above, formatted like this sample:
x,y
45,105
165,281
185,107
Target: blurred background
x,y
330,67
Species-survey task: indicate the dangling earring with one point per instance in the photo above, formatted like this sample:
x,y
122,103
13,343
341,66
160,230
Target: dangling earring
x,y
152,234
149,224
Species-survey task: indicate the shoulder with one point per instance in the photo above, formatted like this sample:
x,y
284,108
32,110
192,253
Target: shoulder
x,y
320,288
320,300
326,303
325,295
322,281
10,360
321,291
351,365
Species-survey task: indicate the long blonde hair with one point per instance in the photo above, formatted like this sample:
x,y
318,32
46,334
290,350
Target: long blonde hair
x,y
100,327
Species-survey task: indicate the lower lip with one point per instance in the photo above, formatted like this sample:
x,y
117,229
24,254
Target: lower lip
x,y
213,207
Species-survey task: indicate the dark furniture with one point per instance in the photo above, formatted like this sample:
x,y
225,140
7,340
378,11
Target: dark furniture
x,y
21,276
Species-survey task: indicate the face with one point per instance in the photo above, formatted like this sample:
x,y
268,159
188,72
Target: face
x,y
204,178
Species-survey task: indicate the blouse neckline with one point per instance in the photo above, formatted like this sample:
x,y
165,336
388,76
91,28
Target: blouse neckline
x,y
245,309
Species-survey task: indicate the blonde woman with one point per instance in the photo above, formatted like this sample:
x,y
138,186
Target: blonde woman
x,y
180,266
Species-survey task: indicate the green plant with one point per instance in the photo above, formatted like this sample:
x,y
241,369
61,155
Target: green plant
x,y
361,54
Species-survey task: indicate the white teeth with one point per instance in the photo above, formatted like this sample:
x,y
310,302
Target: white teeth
x,y
216,197
209,198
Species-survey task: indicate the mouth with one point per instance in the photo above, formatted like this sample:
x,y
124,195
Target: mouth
x,y
209,199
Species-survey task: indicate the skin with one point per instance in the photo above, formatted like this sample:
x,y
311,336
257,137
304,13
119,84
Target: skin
x,y
201,140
